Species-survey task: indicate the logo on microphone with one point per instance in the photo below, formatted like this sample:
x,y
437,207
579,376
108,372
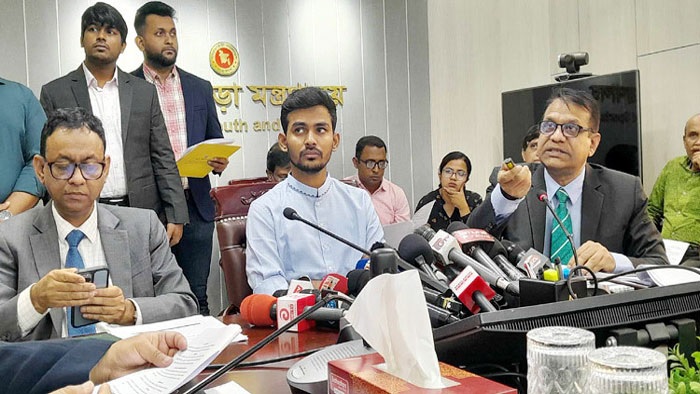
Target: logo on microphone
x,y
284,314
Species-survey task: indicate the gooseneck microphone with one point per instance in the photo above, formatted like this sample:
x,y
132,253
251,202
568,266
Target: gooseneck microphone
x,y
542,196
291,214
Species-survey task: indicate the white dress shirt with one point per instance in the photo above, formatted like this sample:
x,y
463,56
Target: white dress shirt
x,y
105,105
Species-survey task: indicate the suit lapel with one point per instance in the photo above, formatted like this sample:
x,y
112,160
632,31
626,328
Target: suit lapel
x,y
188,95
536,208
125,97
80,89
115,244
44,245
591,205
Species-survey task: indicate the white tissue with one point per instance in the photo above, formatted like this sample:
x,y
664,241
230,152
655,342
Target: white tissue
x,y
391,315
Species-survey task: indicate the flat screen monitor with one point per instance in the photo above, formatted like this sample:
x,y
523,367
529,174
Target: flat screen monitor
x,y
499,337
620,126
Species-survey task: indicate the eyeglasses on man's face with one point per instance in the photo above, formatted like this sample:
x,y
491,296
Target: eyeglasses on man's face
x,y
570,130
370,164
64,170
449,172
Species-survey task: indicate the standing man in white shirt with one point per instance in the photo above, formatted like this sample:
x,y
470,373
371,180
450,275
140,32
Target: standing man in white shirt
x,y
143,172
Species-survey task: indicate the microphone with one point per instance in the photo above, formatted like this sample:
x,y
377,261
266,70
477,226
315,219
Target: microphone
x,y
262,310
335,282
542,196
439,317
357,280
497,253
473,291
442,301
470,238
530,262
449,252
416,251
291,214
264,342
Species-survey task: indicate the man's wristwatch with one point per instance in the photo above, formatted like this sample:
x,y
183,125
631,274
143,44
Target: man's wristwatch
x,y
4,215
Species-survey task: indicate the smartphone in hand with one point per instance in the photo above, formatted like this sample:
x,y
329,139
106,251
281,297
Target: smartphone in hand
x,y
100,277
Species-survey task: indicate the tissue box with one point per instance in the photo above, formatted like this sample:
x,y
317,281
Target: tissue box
x,y
358,375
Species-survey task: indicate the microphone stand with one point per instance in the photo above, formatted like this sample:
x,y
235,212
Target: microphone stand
x,y
291,214
543,197
235,362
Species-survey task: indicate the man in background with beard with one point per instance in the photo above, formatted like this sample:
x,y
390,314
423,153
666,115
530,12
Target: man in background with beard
x,y
190,117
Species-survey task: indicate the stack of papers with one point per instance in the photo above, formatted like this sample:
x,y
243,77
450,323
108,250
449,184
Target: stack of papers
x,y
187,364
193,162
190,327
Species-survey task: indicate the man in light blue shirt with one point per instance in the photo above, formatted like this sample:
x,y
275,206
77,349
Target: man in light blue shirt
x,y
605,209
279,249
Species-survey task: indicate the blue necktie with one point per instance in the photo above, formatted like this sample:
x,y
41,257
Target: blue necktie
x,y
74,260
560,246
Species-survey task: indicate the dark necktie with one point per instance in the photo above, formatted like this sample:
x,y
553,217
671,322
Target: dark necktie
x,y
74,260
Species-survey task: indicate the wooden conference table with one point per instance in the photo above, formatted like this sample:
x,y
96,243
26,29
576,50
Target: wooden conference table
x,y
268,378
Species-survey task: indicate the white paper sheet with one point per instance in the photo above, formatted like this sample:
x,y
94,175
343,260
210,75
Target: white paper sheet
x,y
201,350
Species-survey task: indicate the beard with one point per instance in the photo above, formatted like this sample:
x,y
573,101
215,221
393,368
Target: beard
x,y
159,60
313,168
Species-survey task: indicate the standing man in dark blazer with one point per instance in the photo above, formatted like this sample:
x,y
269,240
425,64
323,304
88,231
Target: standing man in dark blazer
x,y
605,209
143,173
190,116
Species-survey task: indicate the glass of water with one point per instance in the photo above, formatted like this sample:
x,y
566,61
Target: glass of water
x,y
556,360
626,369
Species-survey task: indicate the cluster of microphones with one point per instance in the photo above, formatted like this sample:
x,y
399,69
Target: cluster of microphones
x,y
463,270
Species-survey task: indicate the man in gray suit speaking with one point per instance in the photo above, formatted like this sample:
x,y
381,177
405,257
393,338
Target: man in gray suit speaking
x,y
605,210
38,247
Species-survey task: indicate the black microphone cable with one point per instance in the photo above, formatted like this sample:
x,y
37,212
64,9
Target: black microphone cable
x,y
238,360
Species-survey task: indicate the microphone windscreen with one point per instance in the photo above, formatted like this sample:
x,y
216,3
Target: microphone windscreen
x,y
256,308
290,213
357,279
412,246
456,226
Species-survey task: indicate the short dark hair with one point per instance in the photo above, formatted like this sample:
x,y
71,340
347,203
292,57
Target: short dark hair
x,y
102,14
151,8
457,155
368,140
71,118
306,98
276,157
582,99
533,133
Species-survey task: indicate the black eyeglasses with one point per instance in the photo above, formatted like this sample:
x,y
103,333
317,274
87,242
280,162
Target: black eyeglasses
x,y
460,174
571,130
382,164
64,170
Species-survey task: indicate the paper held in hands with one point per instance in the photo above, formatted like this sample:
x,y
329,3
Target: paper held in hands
x,y
201,350
193,162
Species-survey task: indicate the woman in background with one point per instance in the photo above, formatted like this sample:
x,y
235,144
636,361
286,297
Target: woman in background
x,y
451,201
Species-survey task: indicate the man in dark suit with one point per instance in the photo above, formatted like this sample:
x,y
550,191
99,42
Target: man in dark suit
x,y
42,366
605,210
190,117
39,254
143,173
